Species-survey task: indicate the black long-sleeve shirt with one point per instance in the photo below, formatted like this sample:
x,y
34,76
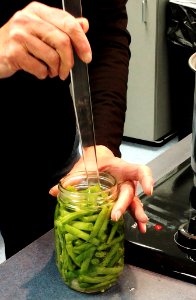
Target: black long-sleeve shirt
x,y
108,71
37,120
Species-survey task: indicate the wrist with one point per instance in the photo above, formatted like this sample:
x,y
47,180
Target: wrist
x,y
101,151
103,154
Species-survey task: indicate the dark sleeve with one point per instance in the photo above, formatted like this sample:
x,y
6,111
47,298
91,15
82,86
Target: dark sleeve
x,y
108,71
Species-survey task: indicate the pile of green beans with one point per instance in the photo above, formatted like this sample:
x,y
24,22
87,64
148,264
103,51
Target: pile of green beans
x,y
89,247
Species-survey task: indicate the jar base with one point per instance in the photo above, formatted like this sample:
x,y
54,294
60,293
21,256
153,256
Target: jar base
x,y
76,288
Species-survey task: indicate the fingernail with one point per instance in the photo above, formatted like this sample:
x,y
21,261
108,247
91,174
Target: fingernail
x,y
51,191
117,215
151,191
144,228
87,57
144,219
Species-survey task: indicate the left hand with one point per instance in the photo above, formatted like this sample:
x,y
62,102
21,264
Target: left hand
x,y
127,176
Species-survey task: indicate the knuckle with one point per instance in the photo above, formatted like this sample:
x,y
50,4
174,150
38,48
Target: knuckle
x,y
53,58
17,26
12,54
65,42
20,17
16,35
69,23
32,5
42,72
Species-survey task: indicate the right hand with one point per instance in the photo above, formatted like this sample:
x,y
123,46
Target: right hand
x,y
38,39
127,175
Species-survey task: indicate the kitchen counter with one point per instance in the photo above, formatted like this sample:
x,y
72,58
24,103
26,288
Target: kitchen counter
x,y
31,274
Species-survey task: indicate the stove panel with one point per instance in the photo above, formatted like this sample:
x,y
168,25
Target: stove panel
x,y
173,204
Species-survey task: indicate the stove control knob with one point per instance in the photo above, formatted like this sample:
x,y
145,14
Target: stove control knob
x,y
185,238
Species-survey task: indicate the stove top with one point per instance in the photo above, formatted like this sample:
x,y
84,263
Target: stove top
x,y
169,245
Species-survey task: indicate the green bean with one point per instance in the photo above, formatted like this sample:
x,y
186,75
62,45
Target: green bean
x,y
84,285
117,239
67,261
64,259
77,232
78,242
69,248
95,261
84,255
63,212
83,225
57,211
113,231
81,234
102,215
60,238
103,238
58,250
105,223
57,223
70,275
104,270
57,243
110,254
91,199
70,237
94,241
114,241
100,285
86,262
82,247
100,254
95,279
116,257
71,188
90,218
73,216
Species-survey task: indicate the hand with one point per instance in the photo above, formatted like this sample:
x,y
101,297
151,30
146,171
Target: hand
x,y
38,39
128,176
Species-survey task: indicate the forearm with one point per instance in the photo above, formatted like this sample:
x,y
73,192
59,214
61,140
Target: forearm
x,y
109,73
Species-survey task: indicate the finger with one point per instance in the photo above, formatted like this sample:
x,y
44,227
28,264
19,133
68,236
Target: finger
x,y
67,24
47,58
146,180
54,191
141,174
84,24
47,43
137,211
25,61
42,41
141,227
126,194
124,171
62,44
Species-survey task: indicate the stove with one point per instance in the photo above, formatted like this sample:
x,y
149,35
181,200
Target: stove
x,y
169,245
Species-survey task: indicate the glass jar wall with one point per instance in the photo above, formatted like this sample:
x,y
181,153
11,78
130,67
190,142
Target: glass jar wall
x,y
89,245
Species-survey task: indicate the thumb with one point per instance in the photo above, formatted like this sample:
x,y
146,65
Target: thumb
x,y
54,191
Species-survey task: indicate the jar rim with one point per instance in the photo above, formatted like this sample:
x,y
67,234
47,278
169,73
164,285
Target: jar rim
x,y
102,175
106,194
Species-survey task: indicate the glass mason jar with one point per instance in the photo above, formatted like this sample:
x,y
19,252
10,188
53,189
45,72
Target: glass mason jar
x,y
89,246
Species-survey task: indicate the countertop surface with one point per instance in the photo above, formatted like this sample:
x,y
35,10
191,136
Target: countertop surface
x,y
31,274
